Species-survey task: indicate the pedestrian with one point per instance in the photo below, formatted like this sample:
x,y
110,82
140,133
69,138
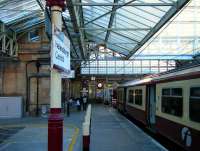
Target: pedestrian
x,y
81,102
78,104
69,102
84,102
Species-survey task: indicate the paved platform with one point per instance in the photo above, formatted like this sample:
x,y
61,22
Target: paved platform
x,y
110,132
30,134
113,132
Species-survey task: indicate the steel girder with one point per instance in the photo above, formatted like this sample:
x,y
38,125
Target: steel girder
x,y
77,22
8,41
112,16
125,4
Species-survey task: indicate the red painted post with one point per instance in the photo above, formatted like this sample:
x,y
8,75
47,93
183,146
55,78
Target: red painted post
x,y
86,137
86,143
55,121
55,130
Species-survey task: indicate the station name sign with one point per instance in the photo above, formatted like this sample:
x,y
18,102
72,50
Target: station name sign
x,y
70,75
60,52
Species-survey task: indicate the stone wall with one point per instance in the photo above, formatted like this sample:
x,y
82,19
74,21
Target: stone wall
x,y
14,75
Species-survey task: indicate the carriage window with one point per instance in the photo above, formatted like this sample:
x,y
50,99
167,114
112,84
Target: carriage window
x,y
165,91
195,104
176,91
172,101
130,96
138,97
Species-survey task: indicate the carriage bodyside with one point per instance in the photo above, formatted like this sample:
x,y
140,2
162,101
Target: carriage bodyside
x,y
178,111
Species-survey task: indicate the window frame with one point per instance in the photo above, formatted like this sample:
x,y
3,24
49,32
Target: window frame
x,y
141,94
173,96
192,97
36,38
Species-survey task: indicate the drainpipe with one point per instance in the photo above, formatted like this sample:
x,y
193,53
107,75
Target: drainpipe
x,y
27,87
55,121
37,64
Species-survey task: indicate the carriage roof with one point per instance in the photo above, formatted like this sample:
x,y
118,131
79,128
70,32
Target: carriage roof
x,y
183,73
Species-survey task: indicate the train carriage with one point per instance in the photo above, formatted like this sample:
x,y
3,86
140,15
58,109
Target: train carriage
x,y
169,104
136,102
178,107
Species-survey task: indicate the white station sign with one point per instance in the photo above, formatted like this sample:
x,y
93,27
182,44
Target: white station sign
x,y
68,75
60,52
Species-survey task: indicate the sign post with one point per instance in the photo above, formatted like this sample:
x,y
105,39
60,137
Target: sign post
x,y
59,54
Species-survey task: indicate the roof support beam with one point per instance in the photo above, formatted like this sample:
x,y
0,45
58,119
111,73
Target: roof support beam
x,y
69,36
116,29
100,41
75,17
176,8
134,40
112,16
41,5
123,4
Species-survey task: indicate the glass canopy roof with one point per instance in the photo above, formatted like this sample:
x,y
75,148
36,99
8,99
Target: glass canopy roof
x,y
180,37
21,14
123,27
120,25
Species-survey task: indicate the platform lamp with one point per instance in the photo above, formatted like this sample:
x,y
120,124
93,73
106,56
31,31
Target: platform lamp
x,y
55,121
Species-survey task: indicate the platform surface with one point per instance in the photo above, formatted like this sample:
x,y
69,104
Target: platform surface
x,y
31,134
113,132
110,131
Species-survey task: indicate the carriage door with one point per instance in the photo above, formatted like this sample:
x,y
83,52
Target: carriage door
x,y
124,100
151,105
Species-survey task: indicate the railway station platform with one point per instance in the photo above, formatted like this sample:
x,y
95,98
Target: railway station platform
x,y
31,134
111,131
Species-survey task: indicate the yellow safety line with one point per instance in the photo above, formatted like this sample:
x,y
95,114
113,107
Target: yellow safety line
x,y
7,142
71,145
74,137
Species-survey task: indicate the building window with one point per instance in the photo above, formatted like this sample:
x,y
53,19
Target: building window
x,y
34,36
138,97
172,101
130,96
195,104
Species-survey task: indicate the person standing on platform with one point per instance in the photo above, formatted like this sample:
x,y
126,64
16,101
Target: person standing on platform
x,y
69,102
81,102
78,104
84,102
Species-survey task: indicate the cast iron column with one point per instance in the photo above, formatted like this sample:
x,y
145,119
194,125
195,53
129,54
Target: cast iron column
x,y
55,121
